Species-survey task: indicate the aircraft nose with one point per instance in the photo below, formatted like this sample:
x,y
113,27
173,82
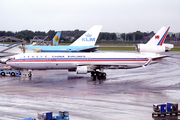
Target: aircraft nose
x,y
4,60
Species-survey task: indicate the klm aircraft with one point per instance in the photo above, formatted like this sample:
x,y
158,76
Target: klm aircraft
x,y
85,43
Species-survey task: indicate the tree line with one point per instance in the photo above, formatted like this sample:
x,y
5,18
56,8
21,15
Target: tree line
x,y
70,36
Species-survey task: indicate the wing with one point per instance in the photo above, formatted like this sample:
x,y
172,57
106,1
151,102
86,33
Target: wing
x,y
115,66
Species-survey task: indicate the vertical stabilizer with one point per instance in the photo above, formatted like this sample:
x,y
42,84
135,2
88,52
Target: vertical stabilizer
x,y
159,37
56,39
89,38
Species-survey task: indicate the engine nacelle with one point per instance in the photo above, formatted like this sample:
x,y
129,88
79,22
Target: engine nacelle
x,y
150,48
82,70
168,47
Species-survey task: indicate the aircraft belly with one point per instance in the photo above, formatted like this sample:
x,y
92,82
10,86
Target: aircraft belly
x,y
60,65
119,63
43,65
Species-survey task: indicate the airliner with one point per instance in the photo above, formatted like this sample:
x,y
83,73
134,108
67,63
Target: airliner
x,y
95,63
85,43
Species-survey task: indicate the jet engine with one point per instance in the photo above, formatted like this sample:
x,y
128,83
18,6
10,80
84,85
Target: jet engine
x,y
82,70
168,47
153,48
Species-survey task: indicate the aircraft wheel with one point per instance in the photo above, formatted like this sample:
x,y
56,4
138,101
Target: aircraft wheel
x,y
103,74
3,73
29,75
99,74
99,77
103,77
93,73
12,74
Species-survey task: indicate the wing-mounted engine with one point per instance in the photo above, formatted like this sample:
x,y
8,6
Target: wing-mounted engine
x,y
150,48
82,70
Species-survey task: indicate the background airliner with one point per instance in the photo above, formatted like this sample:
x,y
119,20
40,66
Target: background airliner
x,y
83,63
85,43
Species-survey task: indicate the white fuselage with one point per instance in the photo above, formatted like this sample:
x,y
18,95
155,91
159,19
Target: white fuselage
x,y
72,60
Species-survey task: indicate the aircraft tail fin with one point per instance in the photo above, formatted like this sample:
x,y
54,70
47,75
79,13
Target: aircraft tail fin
x,y
89,38
56,39
159,37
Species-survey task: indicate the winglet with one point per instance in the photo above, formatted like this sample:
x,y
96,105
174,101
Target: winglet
x,y
147,63
56,39
89,38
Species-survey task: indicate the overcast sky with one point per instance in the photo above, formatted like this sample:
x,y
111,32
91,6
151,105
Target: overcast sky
x,y
114,15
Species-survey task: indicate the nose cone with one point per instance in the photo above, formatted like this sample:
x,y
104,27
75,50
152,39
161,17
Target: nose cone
x,y
3,60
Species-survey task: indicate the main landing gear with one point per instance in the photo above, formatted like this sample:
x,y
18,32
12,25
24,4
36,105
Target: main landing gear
x,y
98,75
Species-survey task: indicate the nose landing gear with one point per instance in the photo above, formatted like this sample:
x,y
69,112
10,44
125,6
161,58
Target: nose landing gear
x,y
30,73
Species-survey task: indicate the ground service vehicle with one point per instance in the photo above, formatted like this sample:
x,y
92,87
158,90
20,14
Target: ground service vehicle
x,y
9,72
49,116
165,109
62,116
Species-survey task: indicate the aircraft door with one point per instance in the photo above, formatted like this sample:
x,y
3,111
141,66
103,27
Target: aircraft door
x,y
88,59
137,59
48,59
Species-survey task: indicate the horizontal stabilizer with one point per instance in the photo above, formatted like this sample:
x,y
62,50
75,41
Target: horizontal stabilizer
x,y
147,63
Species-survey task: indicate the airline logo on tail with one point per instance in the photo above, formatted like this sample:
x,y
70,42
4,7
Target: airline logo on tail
x,y
88,38
56,39
157,37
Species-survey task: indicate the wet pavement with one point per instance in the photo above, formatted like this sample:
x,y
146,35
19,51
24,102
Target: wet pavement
x,y
124,95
